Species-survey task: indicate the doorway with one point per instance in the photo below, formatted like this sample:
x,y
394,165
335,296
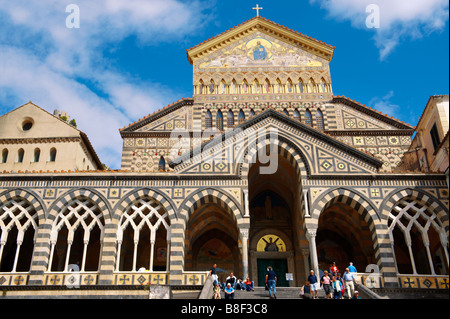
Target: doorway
x,y
280,266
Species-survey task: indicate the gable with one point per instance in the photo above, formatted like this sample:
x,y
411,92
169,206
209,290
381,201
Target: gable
x,y
321,154
175,116
352,115
262,25
43,124
258,50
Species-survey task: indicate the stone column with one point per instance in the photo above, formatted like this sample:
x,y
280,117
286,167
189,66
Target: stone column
x,y
311,236
244,238
246,212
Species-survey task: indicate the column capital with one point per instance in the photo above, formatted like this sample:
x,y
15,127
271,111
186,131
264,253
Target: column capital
x,y
311,233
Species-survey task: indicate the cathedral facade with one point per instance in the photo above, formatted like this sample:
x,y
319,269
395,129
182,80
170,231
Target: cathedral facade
x,y
264,165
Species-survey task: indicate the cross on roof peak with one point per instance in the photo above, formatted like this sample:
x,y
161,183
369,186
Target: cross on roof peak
x,y
257,8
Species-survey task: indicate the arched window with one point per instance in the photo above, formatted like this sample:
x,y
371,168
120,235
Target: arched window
x,y
53,155
296,115
76,236
208,120
311,86
319,120
252,113
279,86
233,87
18,227
241,117
4,155
300,86
286,112
308,118
256,86
142,237
267,86
289,87
223,87
219,121
201,87
20,155
37,155
230,119
418,238
211,87
162,164
323,86
245,87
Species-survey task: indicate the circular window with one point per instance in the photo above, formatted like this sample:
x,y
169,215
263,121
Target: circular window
x,y
27,125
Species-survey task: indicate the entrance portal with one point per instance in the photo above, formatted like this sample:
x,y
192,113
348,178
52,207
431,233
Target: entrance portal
x,y
280,266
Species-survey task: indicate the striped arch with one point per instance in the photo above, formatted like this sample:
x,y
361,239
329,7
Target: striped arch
x,y
285,148
422,198
122,206
178,233
212,195
380,234
43,243
30,197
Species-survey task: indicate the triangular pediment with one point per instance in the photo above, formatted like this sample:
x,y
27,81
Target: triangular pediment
x,y
281,45
321,154
174,116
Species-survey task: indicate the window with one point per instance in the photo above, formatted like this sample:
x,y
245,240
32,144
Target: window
x,y
208,120
76,236
27,124
308,118
53,155
296,115
162,164
285,112
230,119
37,154
252,113
319,120
241,117
4,155
20,155
142,231
19,224
219,121
300,86
435,137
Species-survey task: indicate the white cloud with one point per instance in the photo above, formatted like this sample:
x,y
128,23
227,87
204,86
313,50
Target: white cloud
x,y
44,61
399,19
384,105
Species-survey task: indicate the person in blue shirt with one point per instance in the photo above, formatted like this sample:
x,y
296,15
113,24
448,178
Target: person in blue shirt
x,y
351,268
229,292
314,284
271,282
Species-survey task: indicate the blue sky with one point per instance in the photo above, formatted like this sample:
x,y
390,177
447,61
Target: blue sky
x,y
128,58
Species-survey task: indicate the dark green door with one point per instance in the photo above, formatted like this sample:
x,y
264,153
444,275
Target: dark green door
x,y
280,268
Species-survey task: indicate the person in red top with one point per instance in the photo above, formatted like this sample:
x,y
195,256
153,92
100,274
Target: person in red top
x,y
334,269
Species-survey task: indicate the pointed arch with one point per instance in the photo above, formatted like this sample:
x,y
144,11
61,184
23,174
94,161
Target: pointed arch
x,y
296,115
219,120
241,117
308,118
230,119
301,86
208,120
320,125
